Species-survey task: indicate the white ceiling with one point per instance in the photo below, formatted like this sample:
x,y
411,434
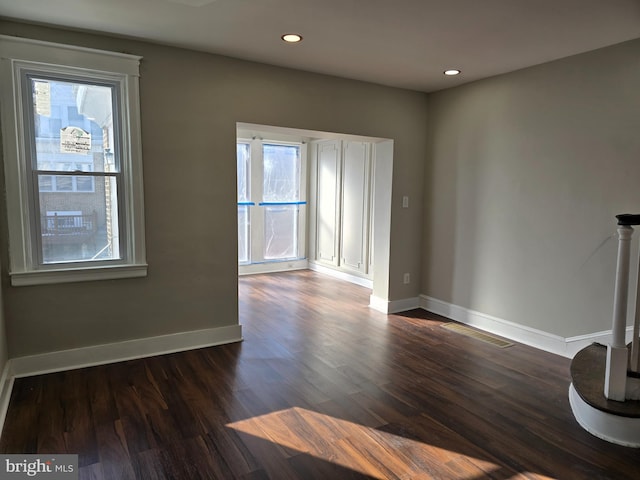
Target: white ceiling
x,y
404,43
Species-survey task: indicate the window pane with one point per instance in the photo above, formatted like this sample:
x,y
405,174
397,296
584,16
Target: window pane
x,y
281,232
243,234
80,227
45,183
73,124
281,173
84,184
243,157
63,184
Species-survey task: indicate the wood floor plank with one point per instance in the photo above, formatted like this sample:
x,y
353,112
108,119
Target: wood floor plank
x,y
321,388
148,465
91,472
236,453
113,450
312,468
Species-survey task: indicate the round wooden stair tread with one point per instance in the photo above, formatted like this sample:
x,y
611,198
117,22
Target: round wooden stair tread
x,y
587,374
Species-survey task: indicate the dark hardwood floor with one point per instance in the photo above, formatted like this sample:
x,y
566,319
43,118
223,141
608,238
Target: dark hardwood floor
x,y
321,388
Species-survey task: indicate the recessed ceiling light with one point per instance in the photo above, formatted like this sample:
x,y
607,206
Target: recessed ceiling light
x,y
452,71
291,37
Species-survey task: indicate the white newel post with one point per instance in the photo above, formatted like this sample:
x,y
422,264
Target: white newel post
x,y
617,354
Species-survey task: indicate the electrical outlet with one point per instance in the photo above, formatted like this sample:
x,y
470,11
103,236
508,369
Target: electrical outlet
x,y
407,279
405,204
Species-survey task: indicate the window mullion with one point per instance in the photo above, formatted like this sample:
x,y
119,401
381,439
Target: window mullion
x,y
256,227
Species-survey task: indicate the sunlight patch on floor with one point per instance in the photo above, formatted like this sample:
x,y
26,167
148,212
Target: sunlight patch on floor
x,y
365,450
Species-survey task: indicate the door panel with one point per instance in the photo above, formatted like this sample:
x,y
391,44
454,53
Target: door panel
x,y
355,211
328,178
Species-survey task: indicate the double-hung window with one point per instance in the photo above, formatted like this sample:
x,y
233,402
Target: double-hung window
x,y
72,159
271,205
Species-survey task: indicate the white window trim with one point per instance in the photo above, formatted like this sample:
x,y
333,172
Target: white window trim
x,y
17,54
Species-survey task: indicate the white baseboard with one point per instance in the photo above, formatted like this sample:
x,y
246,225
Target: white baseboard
x,y
379,304
363,282
567,347
396,306
393,306
122,351
6,385
109,353
272,267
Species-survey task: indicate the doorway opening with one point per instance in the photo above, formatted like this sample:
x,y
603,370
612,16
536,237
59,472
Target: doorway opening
x,y
315,200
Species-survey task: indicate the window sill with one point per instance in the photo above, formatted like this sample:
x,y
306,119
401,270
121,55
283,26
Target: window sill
x,y
46,277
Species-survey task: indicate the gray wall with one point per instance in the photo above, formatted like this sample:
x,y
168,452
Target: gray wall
x,y
190,103
525,173
4,356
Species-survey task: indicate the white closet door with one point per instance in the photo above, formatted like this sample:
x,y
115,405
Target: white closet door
x,y
355,206
328,208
